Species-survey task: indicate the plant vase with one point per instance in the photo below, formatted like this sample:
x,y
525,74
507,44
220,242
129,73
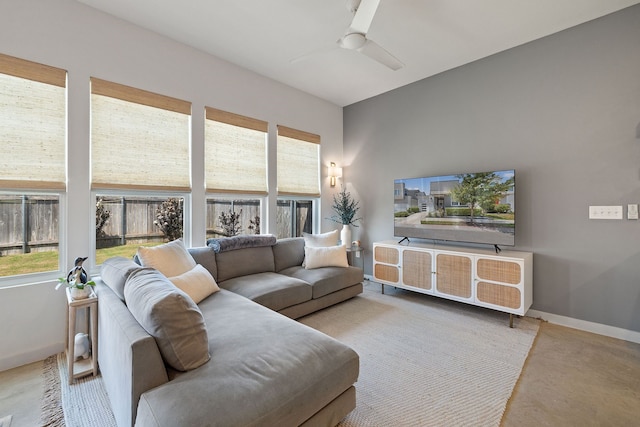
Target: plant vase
x,y
81,293
345,235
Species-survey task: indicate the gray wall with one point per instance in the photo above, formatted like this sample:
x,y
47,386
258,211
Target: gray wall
x,y
564,111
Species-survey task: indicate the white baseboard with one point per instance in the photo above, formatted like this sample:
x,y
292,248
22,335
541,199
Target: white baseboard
x,y
16,360
583,325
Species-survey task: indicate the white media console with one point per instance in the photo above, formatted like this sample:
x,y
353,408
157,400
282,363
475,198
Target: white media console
x,y
480,277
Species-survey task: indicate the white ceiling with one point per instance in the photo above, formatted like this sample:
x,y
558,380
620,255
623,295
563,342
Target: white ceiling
x,y
275,37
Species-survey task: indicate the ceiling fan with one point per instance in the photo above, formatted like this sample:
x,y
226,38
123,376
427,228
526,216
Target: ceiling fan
x,y
355,37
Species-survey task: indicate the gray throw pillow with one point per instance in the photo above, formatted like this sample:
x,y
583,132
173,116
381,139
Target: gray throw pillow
x,y
170,316
114,273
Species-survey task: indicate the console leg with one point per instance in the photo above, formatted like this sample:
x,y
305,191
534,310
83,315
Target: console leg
x,y
510,320
382,287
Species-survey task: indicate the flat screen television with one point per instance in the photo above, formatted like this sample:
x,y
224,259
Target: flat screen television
x,y
470,207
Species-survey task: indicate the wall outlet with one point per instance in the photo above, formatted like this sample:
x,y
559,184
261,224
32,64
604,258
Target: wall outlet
x,y
605,212
632,211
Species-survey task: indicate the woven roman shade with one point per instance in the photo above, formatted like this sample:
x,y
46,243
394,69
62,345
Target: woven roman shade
x,y
32,125
235,150
139,139
298,163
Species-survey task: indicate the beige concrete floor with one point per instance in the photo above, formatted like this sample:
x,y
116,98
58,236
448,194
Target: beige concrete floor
x,y
571,378
576,378
21,391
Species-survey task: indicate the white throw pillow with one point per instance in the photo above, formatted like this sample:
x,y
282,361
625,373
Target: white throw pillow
x,y
322,240
198,283
334,256
171,259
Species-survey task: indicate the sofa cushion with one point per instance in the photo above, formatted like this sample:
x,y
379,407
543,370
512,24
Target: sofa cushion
x,y
171,259
207,258
114,273
198,283
170,316
242,262
334,256
284,372
288,252
272,290
321,240
326,280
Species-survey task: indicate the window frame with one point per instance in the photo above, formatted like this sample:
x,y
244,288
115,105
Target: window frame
x,y
57,77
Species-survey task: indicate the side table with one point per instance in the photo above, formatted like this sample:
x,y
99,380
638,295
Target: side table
x,y
82,367
355,256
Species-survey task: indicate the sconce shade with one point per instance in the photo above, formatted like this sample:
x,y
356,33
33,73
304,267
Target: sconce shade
x,y
334,173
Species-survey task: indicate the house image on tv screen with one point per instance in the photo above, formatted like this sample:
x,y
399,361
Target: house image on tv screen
x,y
438,198
477,207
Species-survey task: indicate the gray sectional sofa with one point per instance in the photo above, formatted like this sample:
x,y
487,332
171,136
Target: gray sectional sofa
x,y
262,367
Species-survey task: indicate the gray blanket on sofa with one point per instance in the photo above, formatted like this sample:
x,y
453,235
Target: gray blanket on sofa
x,y
239,242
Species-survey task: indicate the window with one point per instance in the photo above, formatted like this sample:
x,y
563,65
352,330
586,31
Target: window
x,y
230,217
126,221
140,167
235,164
298,181
32,166
294,217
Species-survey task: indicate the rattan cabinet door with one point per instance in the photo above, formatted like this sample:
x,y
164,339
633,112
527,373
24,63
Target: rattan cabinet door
x,y
416,269
499,282
386,264
454,276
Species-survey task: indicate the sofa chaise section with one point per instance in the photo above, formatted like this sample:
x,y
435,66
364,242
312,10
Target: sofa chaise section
x,y
265,370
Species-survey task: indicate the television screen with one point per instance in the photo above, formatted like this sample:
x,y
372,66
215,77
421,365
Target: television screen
x,y
470,207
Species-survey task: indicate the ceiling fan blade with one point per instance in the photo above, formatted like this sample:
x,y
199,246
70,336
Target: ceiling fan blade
x,y
377,53
364,16
313,53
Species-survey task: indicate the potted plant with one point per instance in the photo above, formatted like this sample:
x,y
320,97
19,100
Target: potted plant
x,y
346,209
78,290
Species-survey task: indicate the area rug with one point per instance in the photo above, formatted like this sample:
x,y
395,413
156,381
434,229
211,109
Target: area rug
x,y
83,403
426,361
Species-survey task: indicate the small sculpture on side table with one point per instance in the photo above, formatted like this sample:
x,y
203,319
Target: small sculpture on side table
x,y
77,280
81,348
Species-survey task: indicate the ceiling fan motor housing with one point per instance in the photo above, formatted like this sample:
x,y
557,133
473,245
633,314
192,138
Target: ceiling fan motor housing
x,y
353,41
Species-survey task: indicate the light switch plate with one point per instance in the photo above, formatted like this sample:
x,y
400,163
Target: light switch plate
x,y
632,211
605,212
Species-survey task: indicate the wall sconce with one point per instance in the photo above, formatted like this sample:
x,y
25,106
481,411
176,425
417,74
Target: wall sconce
x,y
334,174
